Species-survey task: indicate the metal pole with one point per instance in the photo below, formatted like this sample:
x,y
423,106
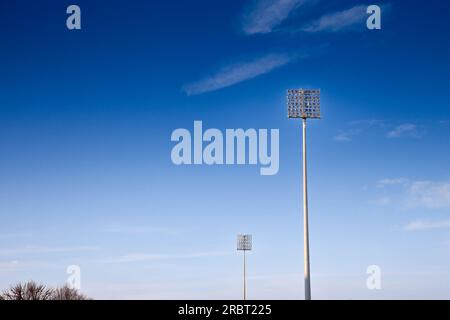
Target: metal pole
x,y
245,285
305,220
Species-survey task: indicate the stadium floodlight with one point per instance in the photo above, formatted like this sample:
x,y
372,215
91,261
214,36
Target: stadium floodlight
x,y
244,243
304,104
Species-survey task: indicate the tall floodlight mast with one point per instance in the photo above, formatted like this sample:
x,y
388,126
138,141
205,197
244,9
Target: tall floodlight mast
x,y
244,243
304,104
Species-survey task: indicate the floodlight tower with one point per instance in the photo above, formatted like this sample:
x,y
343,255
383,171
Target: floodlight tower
x,y
244,243
304,104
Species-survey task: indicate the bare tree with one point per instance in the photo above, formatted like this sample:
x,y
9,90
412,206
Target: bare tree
x,y
67,293
28,291
33,291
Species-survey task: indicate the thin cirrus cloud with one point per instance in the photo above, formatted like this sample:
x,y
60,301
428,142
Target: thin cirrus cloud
x,y
379,127
15,265
338,21
343,20
429,195
262,16
408,130
356,128
16,235
138,230
142,257
43,250
238,72
390,182
421,225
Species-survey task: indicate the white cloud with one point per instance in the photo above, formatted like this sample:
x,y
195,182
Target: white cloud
x,y
9,265
238,72
140,257
17,265
264,15
405,130
343,20
356,128
367,122
40,249
343,137
389,182
429,195
339,20
15,235
383,201
416,194
138,230
420,225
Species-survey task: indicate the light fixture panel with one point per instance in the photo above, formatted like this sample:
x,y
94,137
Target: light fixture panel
x,y
303,103
244,242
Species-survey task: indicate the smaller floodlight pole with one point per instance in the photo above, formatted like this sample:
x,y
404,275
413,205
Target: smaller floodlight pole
x,y
304,104
244,243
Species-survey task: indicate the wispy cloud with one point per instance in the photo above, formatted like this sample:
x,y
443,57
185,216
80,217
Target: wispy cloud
x,y
389,182
17,265
238,72
138,230
382,201
429,195
338,21
350,19
408,130
344,136
421,225
141,257
42,249
380,127
9,265
417,194
15,235
262,16
356,128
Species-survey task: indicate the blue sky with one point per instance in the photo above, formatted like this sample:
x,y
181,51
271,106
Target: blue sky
x,y
86,176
